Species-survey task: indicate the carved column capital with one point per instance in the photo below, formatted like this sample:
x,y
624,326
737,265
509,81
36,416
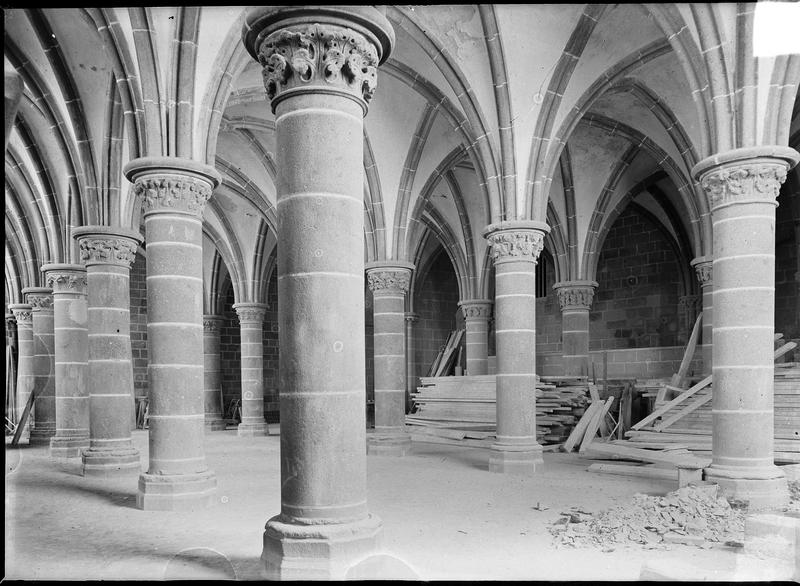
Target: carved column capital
x,y
65,278
23,313
519,240
476,308
575,294
250,312
745,175
703,267
320,49
39,298
389,278
689,302
172,184
212,323
104,245
411,318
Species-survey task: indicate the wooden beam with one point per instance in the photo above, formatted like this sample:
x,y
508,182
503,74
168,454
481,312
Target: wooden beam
x,y
594,424
647,455
698,402
23,418
580,428
688,354
679,399
646,471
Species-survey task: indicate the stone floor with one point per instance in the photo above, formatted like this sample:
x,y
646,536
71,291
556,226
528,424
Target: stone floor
x,y
445,517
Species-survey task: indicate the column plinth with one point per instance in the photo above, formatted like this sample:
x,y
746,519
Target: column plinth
x,y
389,282
251,323
705,276
742,186
477,313
575,299
515,248
107,253
212,373
44,406
174,192
23,313
71,342
320,71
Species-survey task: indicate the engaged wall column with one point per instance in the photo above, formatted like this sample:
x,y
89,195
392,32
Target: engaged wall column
x,y
212,372
251,324
742,186
174,192
575,299
477,313
25,370
44,406
71,351
320,70
705,276
389,283
515,248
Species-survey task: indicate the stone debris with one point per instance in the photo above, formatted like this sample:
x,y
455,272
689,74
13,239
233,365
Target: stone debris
x,y
794,495
692,515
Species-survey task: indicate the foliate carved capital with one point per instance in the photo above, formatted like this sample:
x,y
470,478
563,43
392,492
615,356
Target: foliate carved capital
x,y
758,181
319,56
113,251
67,281
387,280
575,294
23,314
479,309
40,301
172,192
704,271
250,312
212,323
516,245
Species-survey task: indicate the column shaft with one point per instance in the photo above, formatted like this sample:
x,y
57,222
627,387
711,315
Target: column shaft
x,y
212,372
411,372
25,370
251,320
575,299
704,271
44,406
71,355
476,319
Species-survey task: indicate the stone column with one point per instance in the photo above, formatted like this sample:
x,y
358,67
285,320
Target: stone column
x,y
575,299
515,248
251,324
476,317
174,193
212,372
44,406
71,352
389,283
703,268
320,70
411,372
25,358
107,252
742,186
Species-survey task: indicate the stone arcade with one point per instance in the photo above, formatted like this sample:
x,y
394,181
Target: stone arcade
x,y
246,222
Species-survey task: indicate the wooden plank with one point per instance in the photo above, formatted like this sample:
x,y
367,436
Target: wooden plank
x,y
646,455
645,471
679,399
698,402
688,354
579,430
594,424
788,347
23,419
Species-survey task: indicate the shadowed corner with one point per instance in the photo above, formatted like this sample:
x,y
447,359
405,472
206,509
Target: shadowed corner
x,y
382,567
199,563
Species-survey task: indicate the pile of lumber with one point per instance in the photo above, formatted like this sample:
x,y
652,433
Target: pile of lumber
x,y
468,404
449,355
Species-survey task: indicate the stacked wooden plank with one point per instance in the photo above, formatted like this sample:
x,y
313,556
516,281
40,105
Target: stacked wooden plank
x,y
469,403
449,355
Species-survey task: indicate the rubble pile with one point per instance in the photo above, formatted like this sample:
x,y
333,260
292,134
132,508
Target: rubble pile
x,y
794,495
690,515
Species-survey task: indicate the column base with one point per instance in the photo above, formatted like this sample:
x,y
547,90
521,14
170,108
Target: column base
x,y
317,552
760,494
41,436
68,447
252,429
217,424
111,463
176,492
382,444
515,460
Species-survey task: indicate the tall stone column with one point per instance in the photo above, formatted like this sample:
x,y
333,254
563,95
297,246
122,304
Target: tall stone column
x,y
320,70
107,252
476,317
71,352
212,372
575,299
251,326
389,283
44,406
742,186
515,248
705,276
25,370
174,192
411,372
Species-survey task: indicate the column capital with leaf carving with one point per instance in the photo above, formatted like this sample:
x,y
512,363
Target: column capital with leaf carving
x,y
23,313
389,276
250,312
65,278
703,267
107,245
476,308
516,240
575,294
40,298
212,323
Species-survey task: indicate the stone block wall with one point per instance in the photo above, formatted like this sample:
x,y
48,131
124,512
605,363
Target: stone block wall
x,y
230,352
548,311
138,293
636,303
641,363
270,342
